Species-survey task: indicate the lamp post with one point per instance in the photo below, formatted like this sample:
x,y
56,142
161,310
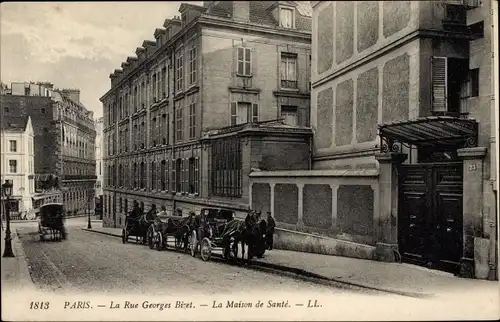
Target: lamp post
x,y
7,190
89,224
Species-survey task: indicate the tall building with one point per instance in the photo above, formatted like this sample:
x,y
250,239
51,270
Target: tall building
x,y
218,90
64,143
98,155
404,136
17,163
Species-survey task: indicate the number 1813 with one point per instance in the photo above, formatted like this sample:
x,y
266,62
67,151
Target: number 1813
x,y
39,305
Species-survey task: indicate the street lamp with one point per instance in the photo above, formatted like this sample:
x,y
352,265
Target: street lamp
x,y
89,225
7,190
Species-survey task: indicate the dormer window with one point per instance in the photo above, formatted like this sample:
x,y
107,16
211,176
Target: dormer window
x,y
286,18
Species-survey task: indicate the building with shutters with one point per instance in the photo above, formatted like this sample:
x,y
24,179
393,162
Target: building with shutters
x,y
191,114
17,163
64,143
404,162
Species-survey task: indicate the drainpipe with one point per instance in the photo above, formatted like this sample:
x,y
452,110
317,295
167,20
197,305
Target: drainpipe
x,y
493,256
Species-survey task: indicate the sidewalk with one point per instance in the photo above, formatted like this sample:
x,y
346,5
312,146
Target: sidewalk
x,y
403,279
15,272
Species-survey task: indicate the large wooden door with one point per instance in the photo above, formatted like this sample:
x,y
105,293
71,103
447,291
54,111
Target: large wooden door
x,y
430,214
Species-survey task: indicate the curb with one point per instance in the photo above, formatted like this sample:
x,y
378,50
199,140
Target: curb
x,y
308,274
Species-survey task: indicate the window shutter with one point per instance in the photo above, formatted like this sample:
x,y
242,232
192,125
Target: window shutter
x,y
197,175
439,84
174,177
233,113
255,113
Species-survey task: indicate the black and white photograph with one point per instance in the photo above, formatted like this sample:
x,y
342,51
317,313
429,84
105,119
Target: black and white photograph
x,y
249,160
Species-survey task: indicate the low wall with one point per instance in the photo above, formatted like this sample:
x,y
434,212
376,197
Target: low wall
x,y
340,204
303,242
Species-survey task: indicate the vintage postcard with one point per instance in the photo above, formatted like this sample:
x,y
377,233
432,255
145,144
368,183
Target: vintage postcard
x,y
249,160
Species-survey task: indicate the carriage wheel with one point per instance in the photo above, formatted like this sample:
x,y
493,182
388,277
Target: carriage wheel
x,y
179,242
205,249
124,236
151,232
194,243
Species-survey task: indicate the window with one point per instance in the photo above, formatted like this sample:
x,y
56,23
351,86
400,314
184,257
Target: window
x,y
143,135
288,70
194,176
43,111
242,112
178,174
153,130
13,166
164,82
136,99
178,124
165,128
226,168
155,88
153,176
143,175
192,120
135,175
13,145
163,175
469,88
244,61
6,109
448,78
286,18
179,71
289,114
192,65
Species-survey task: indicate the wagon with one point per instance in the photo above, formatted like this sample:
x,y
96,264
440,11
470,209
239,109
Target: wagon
x,y
174,227
136,227
51,222
207,230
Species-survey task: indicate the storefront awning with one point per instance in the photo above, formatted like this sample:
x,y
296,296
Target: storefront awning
x,y
431,132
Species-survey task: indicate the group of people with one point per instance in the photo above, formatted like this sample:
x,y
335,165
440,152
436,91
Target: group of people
x,y
153,214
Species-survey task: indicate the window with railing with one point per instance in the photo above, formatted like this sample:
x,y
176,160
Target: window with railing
x,y
226,168
288,70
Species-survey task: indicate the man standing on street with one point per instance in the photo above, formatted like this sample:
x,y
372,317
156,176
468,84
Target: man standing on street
x,y
271,224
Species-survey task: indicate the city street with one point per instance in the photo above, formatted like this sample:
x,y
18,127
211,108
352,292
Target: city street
x,y
92,262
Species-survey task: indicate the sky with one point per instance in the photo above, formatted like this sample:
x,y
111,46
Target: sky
x,y
75,44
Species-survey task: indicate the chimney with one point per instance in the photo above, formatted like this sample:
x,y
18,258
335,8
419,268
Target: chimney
x,y
72,94
241,10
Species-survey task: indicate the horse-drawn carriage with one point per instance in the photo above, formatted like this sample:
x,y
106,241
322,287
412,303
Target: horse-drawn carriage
x,y
219,229
51,222
175,227
136,226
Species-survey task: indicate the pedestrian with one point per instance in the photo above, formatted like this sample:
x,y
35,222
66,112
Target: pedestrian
x,y
151,213
271,224
163,212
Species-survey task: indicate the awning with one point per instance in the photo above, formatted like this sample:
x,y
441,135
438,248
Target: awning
x,y
431,132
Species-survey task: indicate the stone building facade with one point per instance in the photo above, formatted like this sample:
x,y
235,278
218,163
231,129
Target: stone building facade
x,y
17,163
64,142
225,67
404,140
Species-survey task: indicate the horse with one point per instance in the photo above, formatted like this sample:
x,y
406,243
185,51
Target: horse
x,y
242,232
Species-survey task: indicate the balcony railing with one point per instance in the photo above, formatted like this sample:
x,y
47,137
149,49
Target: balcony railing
x,y
288,84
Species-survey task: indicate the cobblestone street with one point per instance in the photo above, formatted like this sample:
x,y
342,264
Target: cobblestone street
x,y
92,262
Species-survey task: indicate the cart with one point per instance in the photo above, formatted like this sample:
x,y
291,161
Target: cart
x,y
51,222
175,227
136,227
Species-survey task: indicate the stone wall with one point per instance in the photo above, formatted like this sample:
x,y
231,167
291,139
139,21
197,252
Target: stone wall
x,y
340,204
